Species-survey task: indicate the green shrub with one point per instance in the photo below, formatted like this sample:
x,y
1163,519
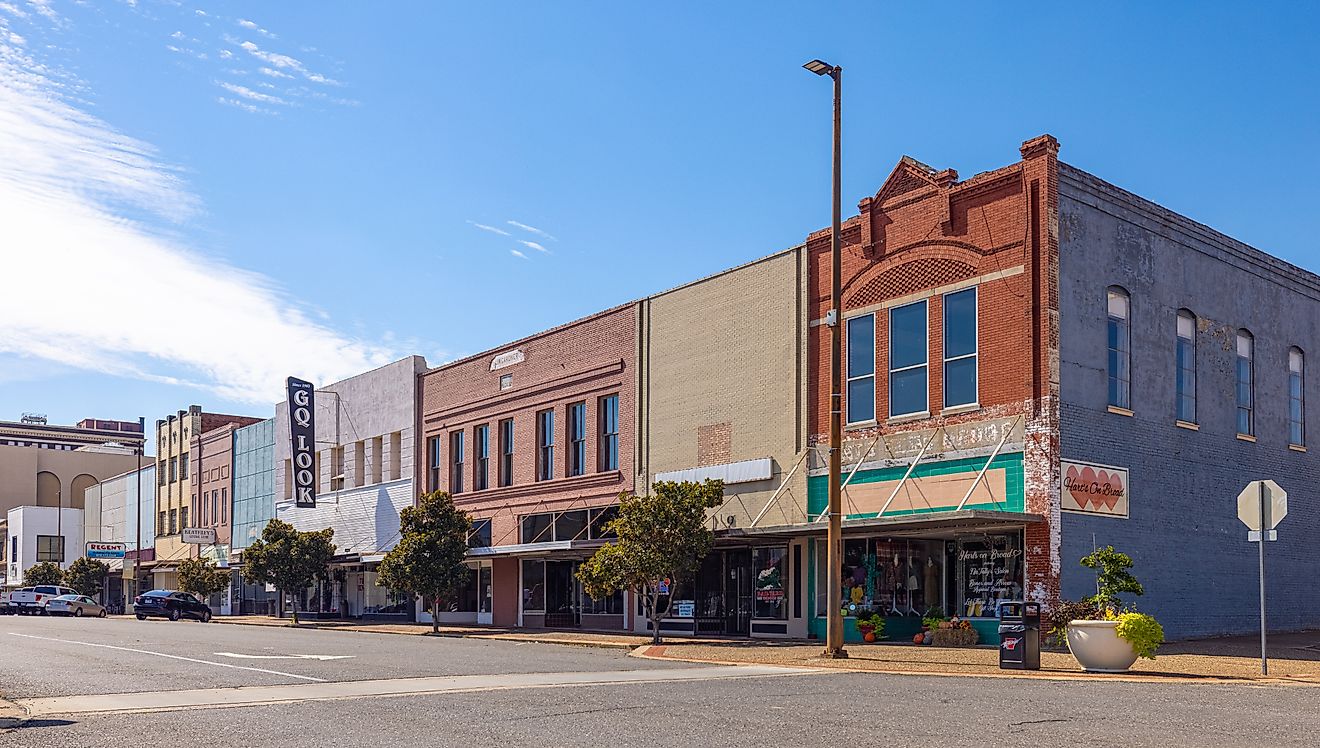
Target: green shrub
x,y
1112,578
1142,631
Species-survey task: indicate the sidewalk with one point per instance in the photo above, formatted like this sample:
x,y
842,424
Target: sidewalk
x,y
607,640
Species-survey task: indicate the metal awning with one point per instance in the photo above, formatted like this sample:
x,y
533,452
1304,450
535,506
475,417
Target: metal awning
x,y
910,525
537,549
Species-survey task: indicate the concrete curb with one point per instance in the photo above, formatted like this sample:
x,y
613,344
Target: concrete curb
x,y
11,715
520,638
644,652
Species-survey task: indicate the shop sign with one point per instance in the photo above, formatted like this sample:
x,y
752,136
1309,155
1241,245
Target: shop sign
x,y
97,549
1094,489
684,608
302,435
198,535
509,358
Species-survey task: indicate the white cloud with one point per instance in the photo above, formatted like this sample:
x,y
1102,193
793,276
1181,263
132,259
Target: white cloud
x,y
285,62
491,229
245,106
245,23
200,12
532,230
13,10
226,54
516,253
42,7
248,93
533,245
274,73
65,176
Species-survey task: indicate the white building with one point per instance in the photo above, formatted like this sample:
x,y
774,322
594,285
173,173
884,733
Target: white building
x,y
115,515
42,533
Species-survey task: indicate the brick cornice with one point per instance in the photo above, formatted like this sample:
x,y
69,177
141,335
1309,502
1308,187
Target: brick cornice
x,y
555,489
513,400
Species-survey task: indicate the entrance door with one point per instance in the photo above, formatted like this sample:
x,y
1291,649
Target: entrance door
x,y
738,592
484,593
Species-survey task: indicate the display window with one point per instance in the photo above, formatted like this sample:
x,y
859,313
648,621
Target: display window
x,y
989,572
770,566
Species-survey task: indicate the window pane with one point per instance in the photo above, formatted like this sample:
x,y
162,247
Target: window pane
x,y
861,346
536,528
861,399
769,583
571,525
960,382
1118,304
1186,326
907,391
533,585
907,335
960,323
600,518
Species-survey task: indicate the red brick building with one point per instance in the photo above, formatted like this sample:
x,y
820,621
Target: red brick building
x,y
535,440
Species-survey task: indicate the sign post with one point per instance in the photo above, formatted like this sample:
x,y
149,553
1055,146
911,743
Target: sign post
x,y
1261,505
302,436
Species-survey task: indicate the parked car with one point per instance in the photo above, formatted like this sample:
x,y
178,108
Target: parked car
x,y
75,605
32,600
170,604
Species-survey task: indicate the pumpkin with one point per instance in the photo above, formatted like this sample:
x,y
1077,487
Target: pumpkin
x,y
918,639
870,636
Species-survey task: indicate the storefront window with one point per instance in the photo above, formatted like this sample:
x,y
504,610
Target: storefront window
x,y
533,579
770,567
889,577
989,572
612,605
465,599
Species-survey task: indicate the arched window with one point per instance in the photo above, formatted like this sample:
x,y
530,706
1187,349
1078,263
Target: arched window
x,y
1120,348
1296,397
48,489
1246,383
1186,363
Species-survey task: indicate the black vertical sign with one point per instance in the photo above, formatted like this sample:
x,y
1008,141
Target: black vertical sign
x,y
302,437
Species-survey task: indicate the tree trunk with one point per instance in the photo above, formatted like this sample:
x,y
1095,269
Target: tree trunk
x,y
435,616
653,604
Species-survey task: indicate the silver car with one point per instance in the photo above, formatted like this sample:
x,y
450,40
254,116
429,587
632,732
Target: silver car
x,y
75,605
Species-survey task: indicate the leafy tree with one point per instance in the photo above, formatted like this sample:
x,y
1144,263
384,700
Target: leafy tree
x,y
663,536
46,572
86,575
289,559
1112,578
201,577
428,560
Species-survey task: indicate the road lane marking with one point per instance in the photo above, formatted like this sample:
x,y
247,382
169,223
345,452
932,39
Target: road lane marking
x,y
238,656
170,656
213,698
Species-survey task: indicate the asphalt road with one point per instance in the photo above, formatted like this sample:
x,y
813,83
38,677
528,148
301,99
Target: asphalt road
x,y
467,692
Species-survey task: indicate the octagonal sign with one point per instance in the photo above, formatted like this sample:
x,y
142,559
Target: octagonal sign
x,y
1276,505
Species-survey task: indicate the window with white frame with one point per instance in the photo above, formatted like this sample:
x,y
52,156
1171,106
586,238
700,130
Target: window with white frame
x,y
1246,383
960,349
1186,364
456,462
861,369
908,375
1119,328
1296,397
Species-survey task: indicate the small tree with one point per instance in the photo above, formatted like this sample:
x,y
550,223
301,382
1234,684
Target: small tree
x,y
663,536
428,560
46,572
201,577
86,575
1112,578
289,559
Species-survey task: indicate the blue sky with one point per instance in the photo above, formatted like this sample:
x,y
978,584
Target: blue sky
x,y
198,199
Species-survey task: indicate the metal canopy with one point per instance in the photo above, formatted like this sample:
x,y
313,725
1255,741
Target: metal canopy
x,y
955,522
537,549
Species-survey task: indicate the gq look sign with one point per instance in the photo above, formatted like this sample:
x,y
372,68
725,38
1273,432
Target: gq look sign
x,y
302,436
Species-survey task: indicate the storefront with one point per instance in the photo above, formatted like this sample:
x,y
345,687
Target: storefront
x,y
350,591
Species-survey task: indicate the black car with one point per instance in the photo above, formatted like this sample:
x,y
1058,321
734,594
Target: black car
x,y
170,604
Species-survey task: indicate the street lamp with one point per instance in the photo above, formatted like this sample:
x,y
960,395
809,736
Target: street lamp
x,y
834,537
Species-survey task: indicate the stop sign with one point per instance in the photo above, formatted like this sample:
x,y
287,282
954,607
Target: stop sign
x,y
1249,505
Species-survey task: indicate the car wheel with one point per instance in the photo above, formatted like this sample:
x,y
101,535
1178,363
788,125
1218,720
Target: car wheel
x,y
103,614
141,617
206,616
174,614
77,612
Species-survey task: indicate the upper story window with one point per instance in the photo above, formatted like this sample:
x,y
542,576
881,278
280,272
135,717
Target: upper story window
x,y
433,474
545,445
1120,348
908,393
1246,383
861,369
577,438
174,469
481,479
456,456
183,466
1296,397
609,432
1186,364
479,537
506,452
960,350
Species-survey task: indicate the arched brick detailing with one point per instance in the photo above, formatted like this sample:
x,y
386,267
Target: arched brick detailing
x,y
909,278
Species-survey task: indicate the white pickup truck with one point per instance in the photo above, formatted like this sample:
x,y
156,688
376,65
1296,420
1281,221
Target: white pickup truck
x,y
33,600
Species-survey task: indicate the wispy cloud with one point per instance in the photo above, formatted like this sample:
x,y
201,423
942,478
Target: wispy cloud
x,y
251,25
272,72
532,230
285,62
248,93
516,253
245,106
491,229
533,245
66,179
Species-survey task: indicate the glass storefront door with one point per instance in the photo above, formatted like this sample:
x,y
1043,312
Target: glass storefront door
x,y
738,598
562,595
484,593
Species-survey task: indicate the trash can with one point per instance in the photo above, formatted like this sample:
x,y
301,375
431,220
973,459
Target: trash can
x,y
1019,636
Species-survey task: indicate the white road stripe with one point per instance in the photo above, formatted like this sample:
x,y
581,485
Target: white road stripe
x,y
211,698
238,656
170,656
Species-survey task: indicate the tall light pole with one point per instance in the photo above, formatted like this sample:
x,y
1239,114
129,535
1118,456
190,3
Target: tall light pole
x,y
834,538
137,545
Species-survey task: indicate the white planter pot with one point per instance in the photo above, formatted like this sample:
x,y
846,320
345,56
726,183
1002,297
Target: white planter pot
x,y
1098,648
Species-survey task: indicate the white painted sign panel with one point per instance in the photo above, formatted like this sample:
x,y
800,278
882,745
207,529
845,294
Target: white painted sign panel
x,y
198,535
508,358
1090,488
1249,505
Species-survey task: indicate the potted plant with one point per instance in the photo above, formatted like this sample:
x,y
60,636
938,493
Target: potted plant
x,y
1117,635
871,627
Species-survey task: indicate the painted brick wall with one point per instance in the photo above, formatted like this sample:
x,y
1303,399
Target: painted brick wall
x,y
1190,550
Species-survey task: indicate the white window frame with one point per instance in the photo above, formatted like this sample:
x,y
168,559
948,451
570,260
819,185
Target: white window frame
x,y
975,354
1126,321
925,409
1178,394
1300,373
848,380
1244,334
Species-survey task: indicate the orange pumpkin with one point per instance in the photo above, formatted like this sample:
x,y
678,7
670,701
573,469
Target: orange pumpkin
x,y
870,636
919,638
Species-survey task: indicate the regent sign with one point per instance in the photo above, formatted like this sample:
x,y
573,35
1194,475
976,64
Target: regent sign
x,y
302,438
1094,489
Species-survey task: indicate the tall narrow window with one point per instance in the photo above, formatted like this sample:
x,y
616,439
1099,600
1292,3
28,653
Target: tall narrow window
x,y
506,452
1246,384
433,477
960,359
545,445
183,466
861,369
456,462
908,394
1186,362
577,438
609,432
480,481
1296,398
1120,349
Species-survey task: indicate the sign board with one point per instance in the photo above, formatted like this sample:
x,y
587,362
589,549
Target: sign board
x,y
198,535
1094,489
1249,505
1253,536
508,358
98,549
302,436
684,608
